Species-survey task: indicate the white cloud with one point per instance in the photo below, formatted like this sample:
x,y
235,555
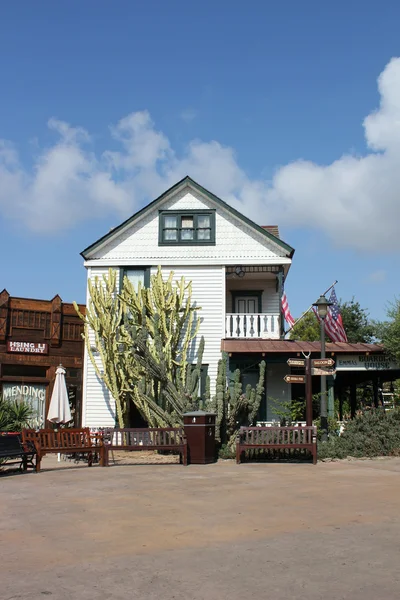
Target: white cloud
x,y
188,114
354,200
377,276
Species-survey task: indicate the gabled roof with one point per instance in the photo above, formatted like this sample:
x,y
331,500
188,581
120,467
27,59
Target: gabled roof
x,y
187,181
274,229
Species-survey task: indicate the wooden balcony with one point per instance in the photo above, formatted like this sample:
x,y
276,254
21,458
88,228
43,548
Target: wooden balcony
x,y
252,325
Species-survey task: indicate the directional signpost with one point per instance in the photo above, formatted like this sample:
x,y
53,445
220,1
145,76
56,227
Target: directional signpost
x,y
295,378
315,366
320,372
306,379
323,362
296,362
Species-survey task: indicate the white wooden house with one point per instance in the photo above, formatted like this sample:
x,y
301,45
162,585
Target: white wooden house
x,y
237,269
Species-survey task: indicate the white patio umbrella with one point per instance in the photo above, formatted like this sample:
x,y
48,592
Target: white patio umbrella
x,y
59,411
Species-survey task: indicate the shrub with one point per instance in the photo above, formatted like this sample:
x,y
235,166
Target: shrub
x,y
333,427
373,433
14,415
226,452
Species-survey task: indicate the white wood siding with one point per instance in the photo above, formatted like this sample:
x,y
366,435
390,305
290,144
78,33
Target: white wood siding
x,y
98,407
236,242
208,291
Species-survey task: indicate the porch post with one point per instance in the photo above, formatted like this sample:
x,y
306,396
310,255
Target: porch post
x,y
331,397
353,399
279,288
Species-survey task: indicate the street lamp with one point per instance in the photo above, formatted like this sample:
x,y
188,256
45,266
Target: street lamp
x,y
322,305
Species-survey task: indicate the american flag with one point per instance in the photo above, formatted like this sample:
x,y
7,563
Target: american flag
x,y
333,320
286,311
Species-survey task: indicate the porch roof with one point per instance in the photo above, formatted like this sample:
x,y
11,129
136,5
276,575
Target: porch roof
x,y
293,347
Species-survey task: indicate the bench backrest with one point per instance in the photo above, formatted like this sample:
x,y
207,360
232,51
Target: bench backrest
x,y
63,438
167,436
10,443
266,436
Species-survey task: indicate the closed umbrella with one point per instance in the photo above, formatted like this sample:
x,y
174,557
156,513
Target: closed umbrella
x,y
59,411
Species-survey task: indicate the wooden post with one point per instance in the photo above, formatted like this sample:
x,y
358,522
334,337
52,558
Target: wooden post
x,y
340,394
56,318
4,314
279,288
353,399
309,414
375,387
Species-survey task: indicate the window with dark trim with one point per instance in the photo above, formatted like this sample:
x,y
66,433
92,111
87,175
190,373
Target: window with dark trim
x,y
135,275
187,227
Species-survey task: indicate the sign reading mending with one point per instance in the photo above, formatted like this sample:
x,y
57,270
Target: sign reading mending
x,y
34,395
364,362
27,347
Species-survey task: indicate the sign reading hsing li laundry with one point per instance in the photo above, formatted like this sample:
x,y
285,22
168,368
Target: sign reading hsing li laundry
x,y
27,347
363,362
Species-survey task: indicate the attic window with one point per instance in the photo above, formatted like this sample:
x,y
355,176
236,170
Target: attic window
x,y
187,228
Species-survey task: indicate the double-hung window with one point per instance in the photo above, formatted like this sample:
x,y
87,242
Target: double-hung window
x,y
186,227
136,275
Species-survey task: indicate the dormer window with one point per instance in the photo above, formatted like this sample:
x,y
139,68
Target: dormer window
x,y
187,227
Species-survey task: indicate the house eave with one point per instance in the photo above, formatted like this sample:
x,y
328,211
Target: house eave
x,y
201,262
188,182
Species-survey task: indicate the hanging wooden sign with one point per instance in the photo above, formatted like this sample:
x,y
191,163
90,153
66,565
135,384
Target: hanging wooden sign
x,y
27,347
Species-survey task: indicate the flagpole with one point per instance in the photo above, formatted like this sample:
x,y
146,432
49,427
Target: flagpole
x,y
310,307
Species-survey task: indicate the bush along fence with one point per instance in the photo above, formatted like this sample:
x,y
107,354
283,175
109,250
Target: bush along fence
x,y
370,434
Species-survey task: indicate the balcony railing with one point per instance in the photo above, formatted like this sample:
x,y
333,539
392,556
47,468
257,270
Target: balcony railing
x,y
252,325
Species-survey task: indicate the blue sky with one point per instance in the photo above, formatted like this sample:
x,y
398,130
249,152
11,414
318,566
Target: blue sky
x,y
264,103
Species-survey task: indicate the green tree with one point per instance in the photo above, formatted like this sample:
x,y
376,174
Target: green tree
x,y
307,329
356,322
389,331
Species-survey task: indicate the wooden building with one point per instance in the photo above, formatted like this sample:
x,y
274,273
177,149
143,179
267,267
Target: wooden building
x,y
35,337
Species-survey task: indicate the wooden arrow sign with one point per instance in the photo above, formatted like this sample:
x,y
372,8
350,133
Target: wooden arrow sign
x,y
295,378
323,362
296,362
323,371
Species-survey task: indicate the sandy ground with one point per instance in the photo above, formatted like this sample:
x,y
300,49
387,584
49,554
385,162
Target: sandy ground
x,y
281,531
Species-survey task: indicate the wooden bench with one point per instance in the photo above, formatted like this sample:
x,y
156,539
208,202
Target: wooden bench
x,y
168,438
64,441
276,438
14,452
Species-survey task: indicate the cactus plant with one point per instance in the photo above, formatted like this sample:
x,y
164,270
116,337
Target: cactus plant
x,y
233,407
139,341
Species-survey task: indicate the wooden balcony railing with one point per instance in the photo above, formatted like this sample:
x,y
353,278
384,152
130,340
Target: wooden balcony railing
x,y
252,325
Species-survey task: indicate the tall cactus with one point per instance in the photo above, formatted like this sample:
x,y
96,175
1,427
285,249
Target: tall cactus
x,y
139,341
103,315
178,323
233,407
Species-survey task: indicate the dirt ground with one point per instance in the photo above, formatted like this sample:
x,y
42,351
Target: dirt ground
x,y
164,531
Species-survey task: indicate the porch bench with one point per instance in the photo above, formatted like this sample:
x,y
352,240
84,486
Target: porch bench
x,y
167,438
276,438
64,441
14,452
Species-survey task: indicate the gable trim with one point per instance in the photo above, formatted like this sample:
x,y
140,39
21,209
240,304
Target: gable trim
x,y
191,183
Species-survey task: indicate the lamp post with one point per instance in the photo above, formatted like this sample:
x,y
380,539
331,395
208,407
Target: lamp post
x,y
322,305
